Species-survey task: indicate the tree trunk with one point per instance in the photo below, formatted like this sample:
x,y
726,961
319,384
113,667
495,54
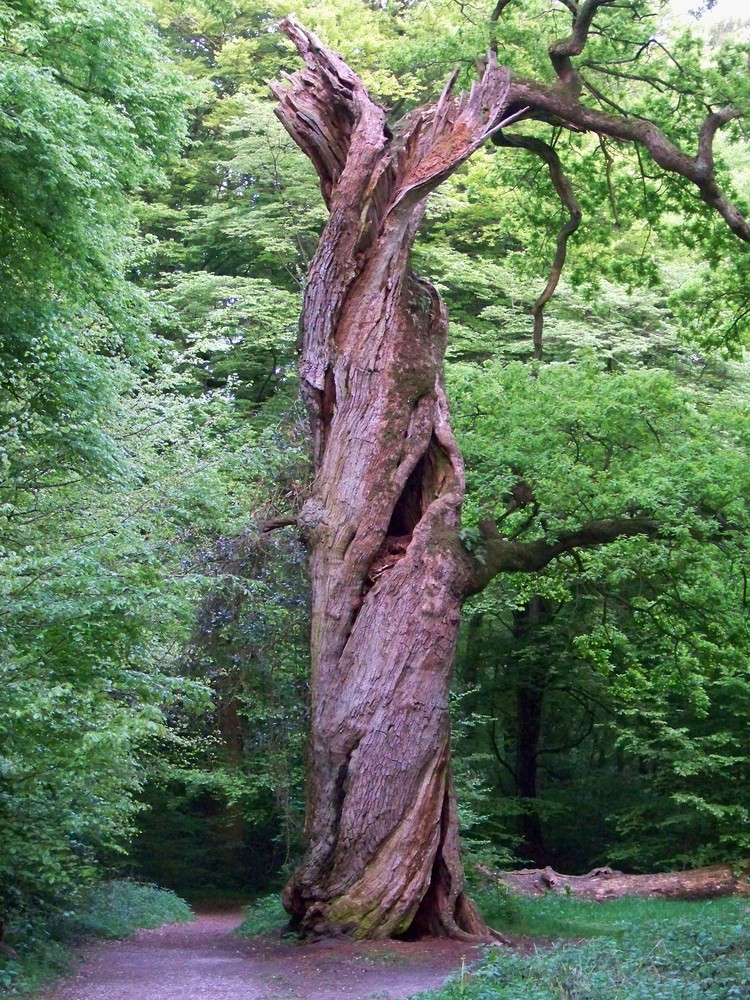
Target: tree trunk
x,y
604,883
382,519
530,691
230,833
389,573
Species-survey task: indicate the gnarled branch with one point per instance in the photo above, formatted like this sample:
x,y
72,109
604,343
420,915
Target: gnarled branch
x,y
499,554
545,101
567,196
561,52
560,104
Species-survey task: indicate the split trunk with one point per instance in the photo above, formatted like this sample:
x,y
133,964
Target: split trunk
x,y
388,570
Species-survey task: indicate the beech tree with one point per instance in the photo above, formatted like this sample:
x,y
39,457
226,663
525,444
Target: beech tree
x,y
389,567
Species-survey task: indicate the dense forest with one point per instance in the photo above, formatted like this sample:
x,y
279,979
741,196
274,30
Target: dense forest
x,y
162,481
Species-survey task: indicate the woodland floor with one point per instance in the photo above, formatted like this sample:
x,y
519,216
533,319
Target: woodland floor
x,y
205,959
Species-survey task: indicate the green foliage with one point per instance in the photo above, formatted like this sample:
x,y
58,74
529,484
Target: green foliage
x,y
123,460
230,793
117,909
46,960
97,574
640,949
252,646
152,645
91,110
265,916
639,661
238,333
600,443
110,910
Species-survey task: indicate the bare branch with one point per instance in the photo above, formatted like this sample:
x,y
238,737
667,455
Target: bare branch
x,y
657,82
608,161
712,124
562,51
569,201
494,18
561,104
273,523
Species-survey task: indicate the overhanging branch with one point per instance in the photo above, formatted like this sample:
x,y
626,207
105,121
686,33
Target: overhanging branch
x,y
498,554
561,52
554,102
567,196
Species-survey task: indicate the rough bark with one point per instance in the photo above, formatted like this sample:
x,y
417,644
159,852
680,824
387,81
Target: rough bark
x,y
605,883
381,523
388,571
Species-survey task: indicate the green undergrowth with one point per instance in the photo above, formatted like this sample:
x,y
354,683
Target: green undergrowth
x,y
45,944
265,915
627,949
216,899
118,909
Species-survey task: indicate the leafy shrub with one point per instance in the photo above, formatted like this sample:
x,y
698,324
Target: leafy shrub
x,y
117,909
111,910
264,916
27,974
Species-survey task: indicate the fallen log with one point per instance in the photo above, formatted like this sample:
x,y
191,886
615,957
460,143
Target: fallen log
x,y
607,883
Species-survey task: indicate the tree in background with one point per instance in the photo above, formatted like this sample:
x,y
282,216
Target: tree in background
x,y
601,687
96,494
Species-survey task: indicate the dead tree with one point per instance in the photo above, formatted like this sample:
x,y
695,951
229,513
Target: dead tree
x,y
389,572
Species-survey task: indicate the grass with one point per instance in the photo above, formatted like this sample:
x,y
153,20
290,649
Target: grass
x,y
113,910
118,909
34,968
634,949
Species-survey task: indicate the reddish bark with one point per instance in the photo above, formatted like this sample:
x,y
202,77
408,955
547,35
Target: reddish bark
x,y
388,571
381,522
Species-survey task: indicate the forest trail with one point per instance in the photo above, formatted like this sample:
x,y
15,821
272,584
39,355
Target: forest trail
x,y
204,959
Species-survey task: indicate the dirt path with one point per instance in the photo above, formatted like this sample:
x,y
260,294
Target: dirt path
x,y
204,959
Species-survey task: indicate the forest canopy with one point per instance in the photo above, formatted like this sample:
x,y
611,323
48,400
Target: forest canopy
x,y
174,521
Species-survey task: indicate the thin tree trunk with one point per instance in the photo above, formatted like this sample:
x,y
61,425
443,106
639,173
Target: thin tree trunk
x,y
231,831
530,690
529,707
381,523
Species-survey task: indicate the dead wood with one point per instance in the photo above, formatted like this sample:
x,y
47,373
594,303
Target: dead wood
x,y
606,883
